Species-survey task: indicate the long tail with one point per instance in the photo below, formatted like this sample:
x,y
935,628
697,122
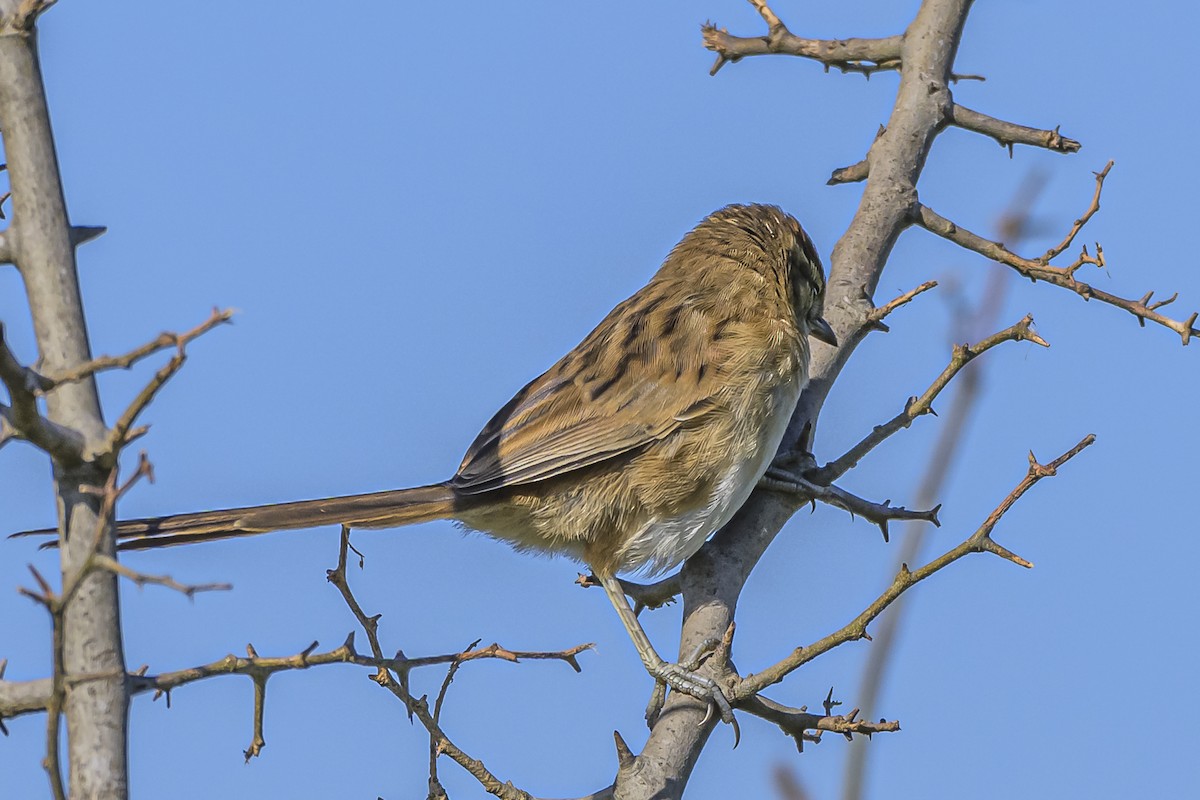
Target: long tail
x,y
377,510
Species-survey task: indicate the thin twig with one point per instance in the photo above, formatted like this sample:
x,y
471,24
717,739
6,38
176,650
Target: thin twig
x,y
878,513
435,786
141,579
980,541
919,406
1093,207
1144,309
796,722
419,707
875,318
163,341
122,432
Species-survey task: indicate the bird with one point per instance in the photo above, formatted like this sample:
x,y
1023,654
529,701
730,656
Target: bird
x,y
637,445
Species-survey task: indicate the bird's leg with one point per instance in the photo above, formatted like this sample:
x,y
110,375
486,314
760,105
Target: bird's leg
x,y
680,677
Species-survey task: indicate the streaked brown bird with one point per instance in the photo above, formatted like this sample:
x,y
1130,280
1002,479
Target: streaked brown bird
x,y
638,444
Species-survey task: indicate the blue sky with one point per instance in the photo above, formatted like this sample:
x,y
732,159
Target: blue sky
x,y
416,208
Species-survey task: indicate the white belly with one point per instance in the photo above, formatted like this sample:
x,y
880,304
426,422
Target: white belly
x,y
664,543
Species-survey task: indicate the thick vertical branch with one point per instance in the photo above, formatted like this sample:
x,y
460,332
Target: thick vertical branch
x,y
40,243
713,579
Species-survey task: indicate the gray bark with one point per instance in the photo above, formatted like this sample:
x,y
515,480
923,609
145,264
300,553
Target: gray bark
x,y
39,240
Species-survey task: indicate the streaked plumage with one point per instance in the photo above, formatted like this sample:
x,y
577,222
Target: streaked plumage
x,y
641,441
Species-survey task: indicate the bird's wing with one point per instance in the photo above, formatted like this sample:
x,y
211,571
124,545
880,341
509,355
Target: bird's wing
x,y
644,372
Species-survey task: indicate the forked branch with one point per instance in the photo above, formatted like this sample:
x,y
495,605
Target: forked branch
x,y
848,55
163,341
1039,269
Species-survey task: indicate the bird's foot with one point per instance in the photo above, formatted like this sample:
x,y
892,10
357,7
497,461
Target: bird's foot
x,y
683,677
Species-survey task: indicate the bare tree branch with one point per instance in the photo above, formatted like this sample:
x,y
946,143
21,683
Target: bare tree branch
x,y
1010,133
979,542
919,406
797,722
22,418
126,360
166,581
1145,309
24,697
419,707
123,432
848,55
877,315
805,491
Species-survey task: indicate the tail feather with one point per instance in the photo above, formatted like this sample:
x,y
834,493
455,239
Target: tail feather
x,y
376,510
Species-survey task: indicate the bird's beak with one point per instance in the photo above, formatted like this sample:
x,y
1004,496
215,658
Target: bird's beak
x,y
819,329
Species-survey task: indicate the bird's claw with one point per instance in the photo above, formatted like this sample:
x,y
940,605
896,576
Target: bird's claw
x,y
694,684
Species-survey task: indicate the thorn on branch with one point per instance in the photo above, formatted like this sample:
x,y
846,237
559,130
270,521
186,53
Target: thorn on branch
x,y
1009,133
863,56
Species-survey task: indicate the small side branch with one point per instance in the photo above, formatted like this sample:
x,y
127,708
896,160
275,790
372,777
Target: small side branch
x,y
164,340
979,542
876,316
864,56
21,418
798,722
1010,133
643,595
1145,309
919,406
855,172
23,697
878,513
123,432
166,581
